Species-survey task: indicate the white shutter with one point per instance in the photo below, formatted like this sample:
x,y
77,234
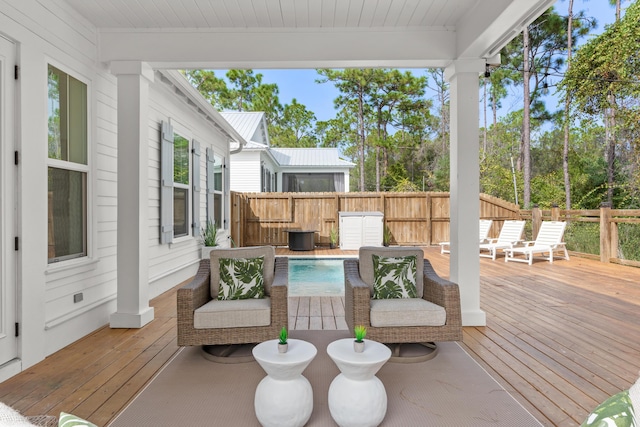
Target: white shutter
x,y
166,183
210,184
195,188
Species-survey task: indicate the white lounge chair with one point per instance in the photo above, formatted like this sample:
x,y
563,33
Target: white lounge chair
x,y
549,239
485,226
510,235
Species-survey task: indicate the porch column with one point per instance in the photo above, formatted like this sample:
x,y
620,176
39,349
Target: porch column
x,y
133,309
464,263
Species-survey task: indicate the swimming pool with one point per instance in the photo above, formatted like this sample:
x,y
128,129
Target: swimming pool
x,y
316,277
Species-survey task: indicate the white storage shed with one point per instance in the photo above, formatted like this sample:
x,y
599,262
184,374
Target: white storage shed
x,y
360,229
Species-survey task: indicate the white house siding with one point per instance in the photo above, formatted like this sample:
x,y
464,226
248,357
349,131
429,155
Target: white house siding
x,y
245,171
169,264
47,32
44,32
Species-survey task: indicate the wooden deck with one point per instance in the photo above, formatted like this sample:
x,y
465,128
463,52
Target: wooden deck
x,y
560,338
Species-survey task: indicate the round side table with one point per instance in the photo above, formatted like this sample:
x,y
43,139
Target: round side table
x,y
284,397
356,396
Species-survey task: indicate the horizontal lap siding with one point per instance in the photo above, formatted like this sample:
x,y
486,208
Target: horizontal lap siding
x,y
179,258
49,32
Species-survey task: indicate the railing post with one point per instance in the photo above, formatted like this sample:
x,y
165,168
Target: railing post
x,y
555,212
605,232
536,221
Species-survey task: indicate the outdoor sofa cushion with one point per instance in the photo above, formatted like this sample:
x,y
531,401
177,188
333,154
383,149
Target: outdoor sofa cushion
x,y
394,277
233,313
366,263
620,410
406,312
268,252
241,278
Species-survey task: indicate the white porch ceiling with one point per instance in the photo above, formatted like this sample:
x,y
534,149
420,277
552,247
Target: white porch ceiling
x,y
305,33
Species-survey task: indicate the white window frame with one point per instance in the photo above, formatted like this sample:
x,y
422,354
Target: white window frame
x,y
63,263
212,191
184,132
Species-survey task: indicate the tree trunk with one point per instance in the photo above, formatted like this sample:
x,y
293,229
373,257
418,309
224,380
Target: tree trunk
x,y
361,137
484,133
526,122
610,137
567,119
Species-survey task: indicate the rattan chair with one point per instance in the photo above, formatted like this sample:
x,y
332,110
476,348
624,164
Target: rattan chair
x,y
197,293
359,279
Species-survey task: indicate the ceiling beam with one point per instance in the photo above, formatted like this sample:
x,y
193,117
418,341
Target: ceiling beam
x,y
268,48
486,29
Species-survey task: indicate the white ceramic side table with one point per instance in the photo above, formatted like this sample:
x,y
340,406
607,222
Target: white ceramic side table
x,y
356,396
284,397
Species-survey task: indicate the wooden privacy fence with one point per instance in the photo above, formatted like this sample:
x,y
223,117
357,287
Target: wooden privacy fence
x,y
420,218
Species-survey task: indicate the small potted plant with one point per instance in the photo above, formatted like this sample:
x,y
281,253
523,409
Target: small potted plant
x,y
333,238
283,345
360,332
209,238
386,236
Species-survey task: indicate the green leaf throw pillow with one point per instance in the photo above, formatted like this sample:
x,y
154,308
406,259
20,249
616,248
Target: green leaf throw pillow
x,y
69,420
394,277
615,411
241,278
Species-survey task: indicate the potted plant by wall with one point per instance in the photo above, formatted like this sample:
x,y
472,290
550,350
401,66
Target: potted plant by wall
x,y
386,236
333,238
283,345
360,332
209,238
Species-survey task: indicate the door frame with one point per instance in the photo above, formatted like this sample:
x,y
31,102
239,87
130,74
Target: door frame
x,y
9,342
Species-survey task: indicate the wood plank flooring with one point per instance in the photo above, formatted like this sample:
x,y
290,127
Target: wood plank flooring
x,y
559,337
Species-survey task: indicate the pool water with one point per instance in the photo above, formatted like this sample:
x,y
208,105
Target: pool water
x,y
316,277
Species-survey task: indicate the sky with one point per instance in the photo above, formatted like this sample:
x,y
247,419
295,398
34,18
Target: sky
x,y
318,98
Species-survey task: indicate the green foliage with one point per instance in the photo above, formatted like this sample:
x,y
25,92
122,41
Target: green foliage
x,y
629,241
386,236
360,332
583,237
333,236
282,339
209,234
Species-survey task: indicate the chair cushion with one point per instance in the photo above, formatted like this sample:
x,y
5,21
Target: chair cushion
x,y
251,252
366,263
70,420
241,278
394,277
406,312
233,314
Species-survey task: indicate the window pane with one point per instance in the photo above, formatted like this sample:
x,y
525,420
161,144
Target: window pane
x,y
217,173
180,211
67,121
77,106
67,213
180,160
217,209
55,81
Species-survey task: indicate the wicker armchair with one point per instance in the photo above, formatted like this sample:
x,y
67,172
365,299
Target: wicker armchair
x,y
359,291
198,292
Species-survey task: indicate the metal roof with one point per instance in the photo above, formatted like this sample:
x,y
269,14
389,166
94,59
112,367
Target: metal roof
x,y
251,125
309,157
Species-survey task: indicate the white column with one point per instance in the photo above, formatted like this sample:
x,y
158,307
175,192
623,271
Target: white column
x,y
133,309
465,186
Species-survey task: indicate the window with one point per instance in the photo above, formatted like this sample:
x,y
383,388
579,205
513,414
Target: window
x,y
67,166
180,186
215,188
